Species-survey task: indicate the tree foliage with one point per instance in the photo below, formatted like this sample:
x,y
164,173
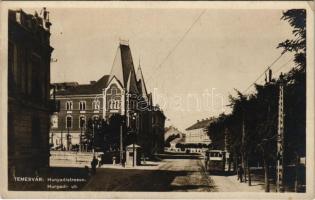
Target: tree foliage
x,y
259,111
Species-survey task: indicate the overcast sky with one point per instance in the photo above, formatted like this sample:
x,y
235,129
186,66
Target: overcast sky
x,y
225,49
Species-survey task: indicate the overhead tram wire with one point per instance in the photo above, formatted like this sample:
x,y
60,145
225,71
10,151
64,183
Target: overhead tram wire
x,y
284,65
177,44
263,72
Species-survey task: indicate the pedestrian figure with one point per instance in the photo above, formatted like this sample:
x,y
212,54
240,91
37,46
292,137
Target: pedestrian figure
x,y
93,165
123,162
240,173
206,161
99,158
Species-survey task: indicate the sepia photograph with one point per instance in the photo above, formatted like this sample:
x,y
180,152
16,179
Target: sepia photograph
x,y
150,98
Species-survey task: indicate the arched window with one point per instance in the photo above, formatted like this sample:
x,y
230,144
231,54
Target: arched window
x,y
82,121
114,104
96,104
69,121
82,105
69,105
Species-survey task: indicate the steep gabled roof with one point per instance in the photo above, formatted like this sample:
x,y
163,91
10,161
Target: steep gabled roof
x,y
132,83
141,84
94,88
123,65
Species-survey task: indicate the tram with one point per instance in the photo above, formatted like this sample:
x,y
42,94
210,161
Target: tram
x,y
215,160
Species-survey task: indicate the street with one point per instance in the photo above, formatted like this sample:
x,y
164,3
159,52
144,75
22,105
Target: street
x,y
178,172
174,173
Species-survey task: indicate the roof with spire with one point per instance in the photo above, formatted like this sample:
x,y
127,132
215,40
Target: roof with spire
x,y
141,83
123,70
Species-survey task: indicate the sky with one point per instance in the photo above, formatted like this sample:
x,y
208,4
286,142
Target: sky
x,y
191,59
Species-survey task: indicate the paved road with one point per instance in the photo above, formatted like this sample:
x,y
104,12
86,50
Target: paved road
x,y
173,174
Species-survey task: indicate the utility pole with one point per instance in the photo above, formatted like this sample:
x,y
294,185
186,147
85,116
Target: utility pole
x,y
121,144
80,140
61,139
243,148
226,161
68,138
280,138
134,140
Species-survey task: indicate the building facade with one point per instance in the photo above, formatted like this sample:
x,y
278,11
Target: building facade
x,y
123,92
198,132
29,104
158,130
77,103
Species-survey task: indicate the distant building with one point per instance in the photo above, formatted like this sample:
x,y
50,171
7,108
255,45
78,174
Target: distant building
x,y
158,124
198,132
29,104
171,131
123,92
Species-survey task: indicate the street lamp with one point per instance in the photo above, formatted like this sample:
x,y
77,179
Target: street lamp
x,y
68,139
135,117
93,139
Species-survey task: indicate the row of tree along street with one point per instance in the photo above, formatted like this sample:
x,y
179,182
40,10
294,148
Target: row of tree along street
x,y
250,132
103,136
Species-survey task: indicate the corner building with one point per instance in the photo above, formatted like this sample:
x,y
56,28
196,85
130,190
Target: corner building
x,y
29,104
123,92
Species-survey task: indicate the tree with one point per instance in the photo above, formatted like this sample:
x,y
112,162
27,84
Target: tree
x,y
297,19
94,136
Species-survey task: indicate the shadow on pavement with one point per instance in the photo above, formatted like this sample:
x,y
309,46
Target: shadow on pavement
x,y
188,187
180,156
136,180
219,173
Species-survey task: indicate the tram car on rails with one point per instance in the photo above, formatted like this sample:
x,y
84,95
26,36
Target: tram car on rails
x,y
215,160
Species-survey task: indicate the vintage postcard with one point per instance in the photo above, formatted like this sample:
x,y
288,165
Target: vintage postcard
x,y
157,100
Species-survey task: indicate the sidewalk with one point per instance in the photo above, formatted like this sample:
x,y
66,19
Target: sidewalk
x,y
149,165
231,184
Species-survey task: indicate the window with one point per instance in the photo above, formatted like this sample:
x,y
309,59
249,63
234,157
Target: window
x,y
114,104
54,121
69,121
82,105
96,104
69,105
82,121
37,82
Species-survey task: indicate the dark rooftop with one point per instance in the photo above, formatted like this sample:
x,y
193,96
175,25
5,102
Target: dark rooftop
x,y
200,124
94,88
